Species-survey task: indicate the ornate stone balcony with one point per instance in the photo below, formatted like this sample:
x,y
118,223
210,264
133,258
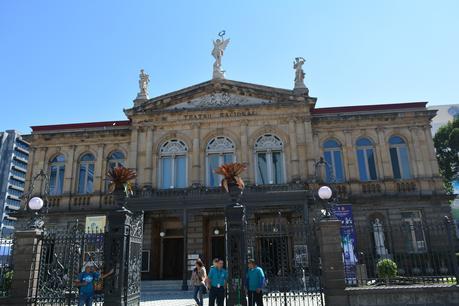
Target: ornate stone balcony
x,y
201,196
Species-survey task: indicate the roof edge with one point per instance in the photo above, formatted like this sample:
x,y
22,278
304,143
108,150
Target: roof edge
x,y
368,108
82,125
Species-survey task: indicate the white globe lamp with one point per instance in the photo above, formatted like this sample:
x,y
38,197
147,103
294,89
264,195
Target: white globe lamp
x,y
162,234
216,231
35,203
325,193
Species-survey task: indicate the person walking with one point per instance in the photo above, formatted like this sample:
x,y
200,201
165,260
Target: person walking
x,y
255,283
198,281
216,281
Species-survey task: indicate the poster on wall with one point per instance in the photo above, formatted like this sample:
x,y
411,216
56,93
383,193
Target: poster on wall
x,y
95,224
343,213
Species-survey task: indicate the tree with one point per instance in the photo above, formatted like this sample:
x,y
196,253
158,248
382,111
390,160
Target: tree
x,y
446,143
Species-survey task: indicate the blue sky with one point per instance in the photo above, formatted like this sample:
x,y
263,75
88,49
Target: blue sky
x,y
78,61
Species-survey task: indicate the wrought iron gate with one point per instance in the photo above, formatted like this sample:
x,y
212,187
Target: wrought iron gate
x,y
62,257
289,254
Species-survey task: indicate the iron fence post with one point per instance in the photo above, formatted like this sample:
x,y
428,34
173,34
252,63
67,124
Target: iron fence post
x,y
452,251
236,249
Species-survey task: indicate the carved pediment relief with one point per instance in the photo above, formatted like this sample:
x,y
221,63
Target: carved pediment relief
x,y
219,99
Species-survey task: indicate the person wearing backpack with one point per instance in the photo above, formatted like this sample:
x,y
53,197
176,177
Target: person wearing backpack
x,y
255,283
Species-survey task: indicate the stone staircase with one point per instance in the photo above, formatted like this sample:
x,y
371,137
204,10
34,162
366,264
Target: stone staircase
x,y
161,286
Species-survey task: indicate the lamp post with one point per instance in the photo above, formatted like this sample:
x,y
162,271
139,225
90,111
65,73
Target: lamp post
x,y
325,191
38,204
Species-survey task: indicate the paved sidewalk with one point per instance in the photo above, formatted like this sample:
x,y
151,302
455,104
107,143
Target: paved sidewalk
x,y
174,298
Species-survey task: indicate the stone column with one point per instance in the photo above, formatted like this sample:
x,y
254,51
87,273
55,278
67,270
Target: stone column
x,y
380,151
185,250
98,168
386,164
195,163
30,168
26,254
333,278
300,143
430,148
132,157
416,154
41,165
350,163
294,162
310,152
245,150
148,156
68,171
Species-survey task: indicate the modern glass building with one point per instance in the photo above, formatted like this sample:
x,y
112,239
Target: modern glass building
x,y
14,156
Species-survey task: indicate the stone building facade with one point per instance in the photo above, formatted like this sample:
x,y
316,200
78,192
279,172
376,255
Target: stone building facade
x,y
381,160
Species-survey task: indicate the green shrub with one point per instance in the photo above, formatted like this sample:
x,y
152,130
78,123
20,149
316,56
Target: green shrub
x,y
7,280
386,268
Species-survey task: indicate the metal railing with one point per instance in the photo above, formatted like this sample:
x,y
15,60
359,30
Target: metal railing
x,y
407,253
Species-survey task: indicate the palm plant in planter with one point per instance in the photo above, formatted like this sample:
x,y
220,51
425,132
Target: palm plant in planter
x,y
232,181
120,183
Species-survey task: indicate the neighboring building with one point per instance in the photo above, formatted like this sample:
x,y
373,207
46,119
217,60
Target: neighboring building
x,y
382,161
445,114
14,156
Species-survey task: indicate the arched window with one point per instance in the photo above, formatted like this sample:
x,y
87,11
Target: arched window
x,y
115,159
333,155
269,160
399,158
86,174
219,151
173,164
366,159
56,174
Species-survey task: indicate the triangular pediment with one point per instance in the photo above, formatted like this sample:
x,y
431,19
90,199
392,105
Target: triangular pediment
x,y
218,94
219,99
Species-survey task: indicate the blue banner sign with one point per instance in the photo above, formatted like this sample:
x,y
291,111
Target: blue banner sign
x,y
343,213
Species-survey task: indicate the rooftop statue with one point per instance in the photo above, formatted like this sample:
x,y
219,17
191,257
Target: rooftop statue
x,y
217,52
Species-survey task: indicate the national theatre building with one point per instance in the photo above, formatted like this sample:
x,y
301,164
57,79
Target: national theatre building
x,y
380,159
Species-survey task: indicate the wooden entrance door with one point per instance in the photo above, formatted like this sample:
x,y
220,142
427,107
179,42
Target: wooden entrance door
x,y
173,258
218,247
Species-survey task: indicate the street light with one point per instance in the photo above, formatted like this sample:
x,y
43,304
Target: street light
x,y
36,203
325,192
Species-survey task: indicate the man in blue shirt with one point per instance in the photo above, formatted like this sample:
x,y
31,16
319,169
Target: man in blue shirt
x,y
255,283
216,281
86,281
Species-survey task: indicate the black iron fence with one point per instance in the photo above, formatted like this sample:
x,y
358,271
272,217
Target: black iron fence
x,y
63,257
6,266
288,252
407,253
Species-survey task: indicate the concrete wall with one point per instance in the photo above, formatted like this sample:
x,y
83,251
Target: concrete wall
x,y
404,296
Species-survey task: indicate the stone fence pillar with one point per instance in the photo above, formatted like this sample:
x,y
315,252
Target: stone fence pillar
x,y
26,257
333,280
